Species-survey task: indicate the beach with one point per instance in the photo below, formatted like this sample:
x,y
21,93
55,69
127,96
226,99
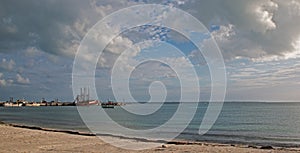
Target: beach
x,y
23,139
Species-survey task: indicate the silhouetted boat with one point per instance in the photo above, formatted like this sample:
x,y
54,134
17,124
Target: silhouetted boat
x,y
109,104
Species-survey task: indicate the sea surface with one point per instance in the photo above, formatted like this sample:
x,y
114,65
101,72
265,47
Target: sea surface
x,y
257,123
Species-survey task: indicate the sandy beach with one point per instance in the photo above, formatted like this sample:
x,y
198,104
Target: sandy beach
x,y
18,139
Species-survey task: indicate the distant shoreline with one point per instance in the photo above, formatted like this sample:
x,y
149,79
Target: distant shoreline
x,y
66,103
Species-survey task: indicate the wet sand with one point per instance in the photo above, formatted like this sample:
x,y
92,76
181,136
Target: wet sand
x,y
22,139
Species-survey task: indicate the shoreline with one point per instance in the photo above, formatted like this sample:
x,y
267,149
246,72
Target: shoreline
x,y
172,144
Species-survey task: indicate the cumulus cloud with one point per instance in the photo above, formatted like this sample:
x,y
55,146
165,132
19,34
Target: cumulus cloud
x,y
56,27
153,70
4,82
7,64
22,80
258,29
32,52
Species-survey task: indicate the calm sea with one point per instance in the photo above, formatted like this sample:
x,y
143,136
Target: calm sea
x,y
276,124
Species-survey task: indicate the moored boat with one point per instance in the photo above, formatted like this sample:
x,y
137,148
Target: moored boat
x,y
109,104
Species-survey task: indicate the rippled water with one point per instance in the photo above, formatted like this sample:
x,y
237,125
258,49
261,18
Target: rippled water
x,y
276,124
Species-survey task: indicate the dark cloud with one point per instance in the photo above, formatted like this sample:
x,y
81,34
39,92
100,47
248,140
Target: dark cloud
x,y
40,23
52,26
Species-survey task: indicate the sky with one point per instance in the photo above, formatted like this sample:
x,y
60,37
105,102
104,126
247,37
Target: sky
x,y
258,39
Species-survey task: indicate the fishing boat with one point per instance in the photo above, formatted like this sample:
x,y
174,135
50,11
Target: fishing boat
x,y
109,104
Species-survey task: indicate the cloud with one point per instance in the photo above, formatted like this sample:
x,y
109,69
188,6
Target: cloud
x,y
22,80
47,32
152,70
257,29
55,27
7,64
32,52
261,75
4,82
261,29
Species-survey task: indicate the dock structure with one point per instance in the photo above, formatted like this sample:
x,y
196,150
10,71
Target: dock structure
x,y
43,102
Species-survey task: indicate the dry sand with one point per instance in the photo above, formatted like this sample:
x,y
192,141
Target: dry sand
x,y
16,139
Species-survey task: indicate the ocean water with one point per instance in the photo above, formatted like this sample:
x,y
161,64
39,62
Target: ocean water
x,y
276,124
